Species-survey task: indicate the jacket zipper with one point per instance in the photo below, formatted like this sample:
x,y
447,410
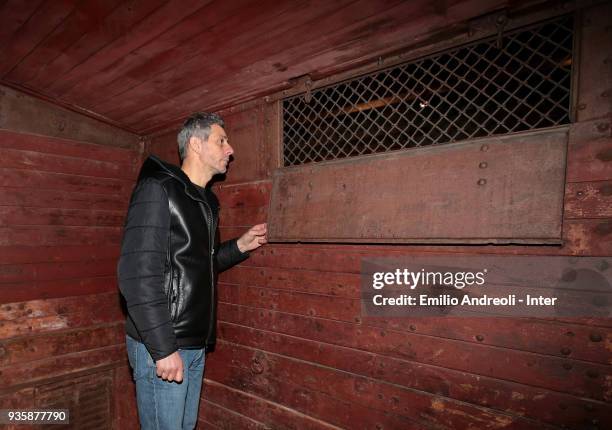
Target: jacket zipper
x,y
211,248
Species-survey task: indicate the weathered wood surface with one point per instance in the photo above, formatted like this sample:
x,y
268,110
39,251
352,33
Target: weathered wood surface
x,y
146,64
595,69
65,183
26,114
289,316
496,190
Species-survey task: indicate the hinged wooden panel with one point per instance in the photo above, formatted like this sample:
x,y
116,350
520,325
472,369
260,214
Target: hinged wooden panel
x,y
506,189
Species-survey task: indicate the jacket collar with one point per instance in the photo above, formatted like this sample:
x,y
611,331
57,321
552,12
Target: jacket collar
x,y
153,165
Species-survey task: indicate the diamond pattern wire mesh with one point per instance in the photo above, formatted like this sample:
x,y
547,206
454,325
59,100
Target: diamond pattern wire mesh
x,y
473,91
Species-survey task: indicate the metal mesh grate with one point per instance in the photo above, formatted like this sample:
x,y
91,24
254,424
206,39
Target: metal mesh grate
x,y
473,91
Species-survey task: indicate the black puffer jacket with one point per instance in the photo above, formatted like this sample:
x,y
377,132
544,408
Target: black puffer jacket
x,y
169,261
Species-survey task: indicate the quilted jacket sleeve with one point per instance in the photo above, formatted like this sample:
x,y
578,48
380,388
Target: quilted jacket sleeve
x,y
228,253
140,271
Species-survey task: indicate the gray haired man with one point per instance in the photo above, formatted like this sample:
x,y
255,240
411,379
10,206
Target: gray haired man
x,y
167,273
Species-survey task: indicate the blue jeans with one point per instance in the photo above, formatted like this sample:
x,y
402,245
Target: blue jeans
x,y
164,405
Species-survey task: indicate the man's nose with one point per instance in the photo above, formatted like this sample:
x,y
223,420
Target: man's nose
x,y
229,150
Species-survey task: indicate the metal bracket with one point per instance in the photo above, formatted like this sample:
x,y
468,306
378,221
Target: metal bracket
x,y
303,84
500,24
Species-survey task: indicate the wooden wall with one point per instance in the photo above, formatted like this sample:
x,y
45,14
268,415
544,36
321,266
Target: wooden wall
x,y
294,351
65,181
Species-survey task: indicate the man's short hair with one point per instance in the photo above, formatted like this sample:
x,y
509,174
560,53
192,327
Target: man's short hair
x,y
197,125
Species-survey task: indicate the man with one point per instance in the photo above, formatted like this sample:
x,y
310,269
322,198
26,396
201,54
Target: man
x,y
167,273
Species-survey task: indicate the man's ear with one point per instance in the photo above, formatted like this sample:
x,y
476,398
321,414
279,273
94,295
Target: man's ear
x,y
195,143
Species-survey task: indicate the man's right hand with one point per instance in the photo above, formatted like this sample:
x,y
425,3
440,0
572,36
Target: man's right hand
x,y
170,368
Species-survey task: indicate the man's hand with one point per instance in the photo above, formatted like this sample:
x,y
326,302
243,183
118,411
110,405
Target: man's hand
x,y
170,368
254,238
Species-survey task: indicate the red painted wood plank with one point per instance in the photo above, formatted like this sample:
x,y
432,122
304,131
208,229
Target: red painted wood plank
x,y
165,147
124,393
13,15
18,399
394,28
120,34
59,235
299,385
42,22
242,217
582,237
595,69
564,375
40,197
560,339
30,160
308,281
322,306
265,30
589,156
588,200
114,27
589,237
49,315
213,416
11,273
207,425
541,336
61,253
69,147
54,307
35,372
22,291
20,178
179,43
249,195
26,327
17,215
257,410
18,109
548,406
31,348
81,20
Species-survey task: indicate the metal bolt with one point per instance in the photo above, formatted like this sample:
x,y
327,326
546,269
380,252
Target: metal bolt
x,y
566,351
479,338
595,337
482,181
579,193
483,165
412,327
581,106
484,148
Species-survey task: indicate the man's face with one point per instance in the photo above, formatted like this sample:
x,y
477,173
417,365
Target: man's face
x,y
216,151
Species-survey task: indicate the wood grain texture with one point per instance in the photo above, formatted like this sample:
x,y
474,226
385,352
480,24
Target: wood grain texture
x,y
24,114
64,191
254,411
595,74
516,197
540,404
145,64
287,300
34,29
